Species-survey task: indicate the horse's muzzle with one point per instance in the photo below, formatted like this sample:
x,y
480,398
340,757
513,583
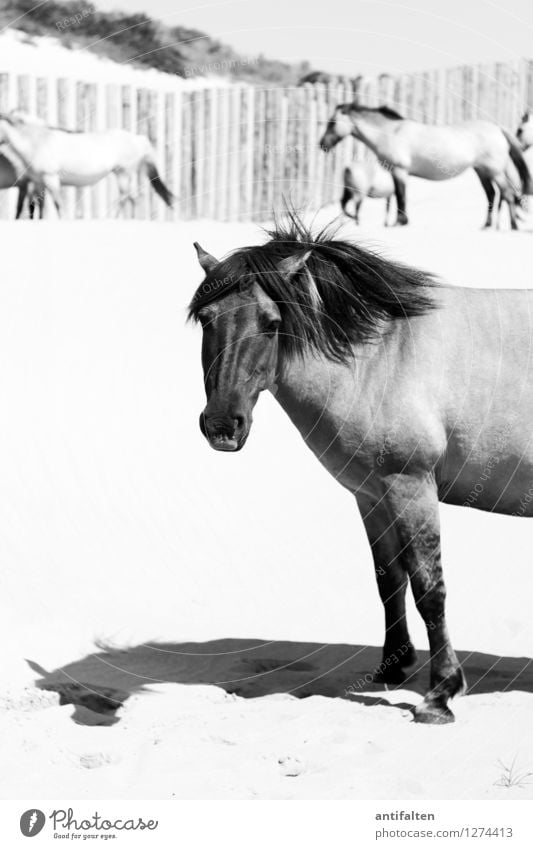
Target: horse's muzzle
x,y
224,432
326,143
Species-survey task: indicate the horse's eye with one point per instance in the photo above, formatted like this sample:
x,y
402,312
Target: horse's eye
x,y
204,316
270,327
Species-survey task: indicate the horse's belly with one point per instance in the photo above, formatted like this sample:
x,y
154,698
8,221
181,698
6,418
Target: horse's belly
x,y
82,178
438,165
497,485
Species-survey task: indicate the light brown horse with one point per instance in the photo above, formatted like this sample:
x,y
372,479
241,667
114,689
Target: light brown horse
x,y
524,134
366,179
58,157
409,392
13,175
432,152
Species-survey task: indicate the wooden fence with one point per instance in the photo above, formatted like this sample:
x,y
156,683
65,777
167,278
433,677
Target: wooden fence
x,y
233,153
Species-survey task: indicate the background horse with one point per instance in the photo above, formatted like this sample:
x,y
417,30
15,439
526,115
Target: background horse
x,y
58,157
524,135
13,174
409,392
366,179
432,152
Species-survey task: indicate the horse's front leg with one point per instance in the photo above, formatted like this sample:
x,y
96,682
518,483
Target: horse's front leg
x,y
23,191
399,176
488,188
387,209
413,505
391,577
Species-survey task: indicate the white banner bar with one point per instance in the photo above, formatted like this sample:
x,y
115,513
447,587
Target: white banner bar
x,y
271,824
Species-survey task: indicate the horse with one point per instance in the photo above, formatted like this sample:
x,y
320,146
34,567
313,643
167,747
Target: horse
x,y
14,175
433,152
409,391
59,157
520,200
524,134
366,179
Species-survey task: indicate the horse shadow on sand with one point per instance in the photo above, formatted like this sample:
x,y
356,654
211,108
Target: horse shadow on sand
x,y
99,684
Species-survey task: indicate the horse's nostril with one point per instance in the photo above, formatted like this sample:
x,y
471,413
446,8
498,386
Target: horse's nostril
x,y
238,422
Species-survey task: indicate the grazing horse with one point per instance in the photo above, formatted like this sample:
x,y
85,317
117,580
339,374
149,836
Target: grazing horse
x,y
60,157
410,392
524,134
366,179
14,175
431,152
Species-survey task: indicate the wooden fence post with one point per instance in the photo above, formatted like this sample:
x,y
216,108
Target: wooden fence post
x,y
66,115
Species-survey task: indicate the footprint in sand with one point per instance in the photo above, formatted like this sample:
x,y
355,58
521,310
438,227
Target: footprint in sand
x,y
291,767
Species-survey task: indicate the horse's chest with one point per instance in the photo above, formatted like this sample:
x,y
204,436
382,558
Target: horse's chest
x,y
354,450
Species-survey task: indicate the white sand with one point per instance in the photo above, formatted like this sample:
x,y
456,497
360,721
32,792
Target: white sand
x,y
119,524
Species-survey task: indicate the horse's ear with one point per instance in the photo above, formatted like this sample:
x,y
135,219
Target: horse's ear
x,y
289,266
207,261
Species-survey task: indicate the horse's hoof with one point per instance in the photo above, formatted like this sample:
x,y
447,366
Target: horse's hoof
x,y
402,222
433,714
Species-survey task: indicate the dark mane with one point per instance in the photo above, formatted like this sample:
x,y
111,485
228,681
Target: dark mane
x,y
386,111
347,297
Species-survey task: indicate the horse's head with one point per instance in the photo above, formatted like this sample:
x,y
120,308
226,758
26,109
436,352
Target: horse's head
x,y
239,347
357,120
524,132
339,126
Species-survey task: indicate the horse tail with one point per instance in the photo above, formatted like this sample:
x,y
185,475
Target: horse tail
x,y
157,183
515,152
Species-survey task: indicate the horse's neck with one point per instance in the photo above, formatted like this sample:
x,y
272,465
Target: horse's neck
x,y
307,388
371,132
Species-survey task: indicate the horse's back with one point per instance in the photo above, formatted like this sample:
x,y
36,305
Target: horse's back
x,y
84,158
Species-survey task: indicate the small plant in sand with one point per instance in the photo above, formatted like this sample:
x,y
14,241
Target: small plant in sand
x,y
512,776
